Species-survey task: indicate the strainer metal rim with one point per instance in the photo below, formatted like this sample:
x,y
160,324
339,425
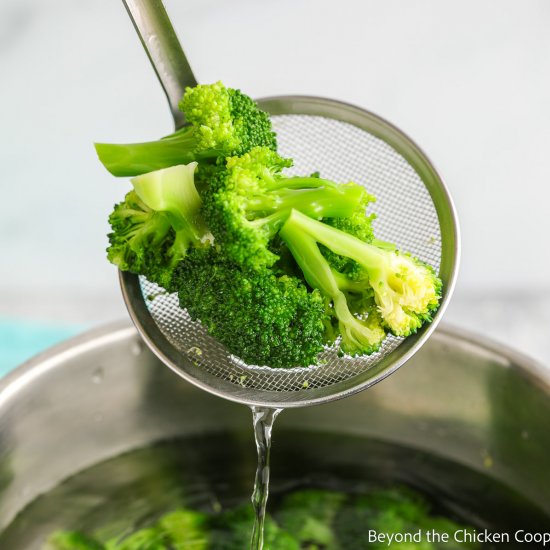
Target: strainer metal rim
x,y
176,361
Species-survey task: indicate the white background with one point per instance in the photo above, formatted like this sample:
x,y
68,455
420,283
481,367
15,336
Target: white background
x,y
469,81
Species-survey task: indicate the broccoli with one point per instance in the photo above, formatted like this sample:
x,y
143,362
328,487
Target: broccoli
x,y
71,540
222,122
185,530
392,510
275,267
156,224
232,530
262,318
309,516
405,291
150,538
307,519
248,200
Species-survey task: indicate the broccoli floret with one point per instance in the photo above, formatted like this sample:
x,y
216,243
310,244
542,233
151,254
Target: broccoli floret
x,y
222,122
156,224
185,530
150,538
393,510
310,519
69,540
406,291
260,317
232,530
139,239
248,200
308,515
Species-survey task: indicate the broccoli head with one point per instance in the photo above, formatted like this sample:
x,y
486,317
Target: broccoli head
x,y
247,201
307,519
405,291
393,510
157,223
71,540
232,530
221,122
185,529
308,515
150,538
260,317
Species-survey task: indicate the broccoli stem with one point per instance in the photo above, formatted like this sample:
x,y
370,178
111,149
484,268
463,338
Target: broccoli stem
x,y
300,182
367,255
134,159
320,202
274,208
357,336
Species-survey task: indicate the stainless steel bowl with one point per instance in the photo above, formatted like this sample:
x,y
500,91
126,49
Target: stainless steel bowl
x,y
103,393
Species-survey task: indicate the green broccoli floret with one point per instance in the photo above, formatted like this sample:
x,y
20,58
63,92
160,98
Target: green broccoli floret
x,y
157,223
222,122
310,519
406,291
249,199
308,515
392,510
262,318
185,530
232,530
150,538
69,540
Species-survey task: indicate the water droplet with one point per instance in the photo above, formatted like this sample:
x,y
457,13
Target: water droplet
x,y
525,434
488,461
98,375
216,506
136,348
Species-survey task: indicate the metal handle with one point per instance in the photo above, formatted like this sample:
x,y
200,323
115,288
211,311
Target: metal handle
x,y
163,49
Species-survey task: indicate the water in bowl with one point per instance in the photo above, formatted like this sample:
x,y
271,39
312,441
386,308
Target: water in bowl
x,y
214,472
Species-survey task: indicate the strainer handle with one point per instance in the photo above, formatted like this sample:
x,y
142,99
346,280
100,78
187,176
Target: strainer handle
x,y
164,50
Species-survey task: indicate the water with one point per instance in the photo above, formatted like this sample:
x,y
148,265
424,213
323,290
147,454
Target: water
x,y
214,472
262,419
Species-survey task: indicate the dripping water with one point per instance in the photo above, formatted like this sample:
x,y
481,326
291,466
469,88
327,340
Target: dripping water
x,y
263,419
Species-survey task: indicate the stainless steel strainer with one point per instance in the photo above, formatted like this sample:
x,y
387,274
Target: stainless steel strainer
x,y
344,143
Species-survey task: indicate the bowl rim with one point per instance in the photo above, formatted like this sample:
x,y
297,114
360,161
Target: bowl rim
x,y
17,379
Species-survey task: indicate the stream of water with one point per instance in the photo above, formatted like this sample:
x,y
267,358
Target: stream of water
x,y
263,419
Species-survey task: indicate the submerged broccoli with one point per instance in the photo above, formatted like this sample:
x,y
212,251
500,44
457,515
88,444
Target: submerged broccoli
x,y
308,519
185,530
151,538
232,530
157,223
248,200
396,510
406,291
262,318
71,540
222,122
309,516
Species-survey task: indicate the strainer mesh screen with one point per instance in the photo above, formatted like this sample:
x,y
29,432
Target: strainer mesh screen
x,y
406,216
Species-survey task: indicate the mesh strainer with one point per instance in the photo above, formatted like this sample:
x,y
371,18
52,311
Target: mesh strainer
x,y
344,143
